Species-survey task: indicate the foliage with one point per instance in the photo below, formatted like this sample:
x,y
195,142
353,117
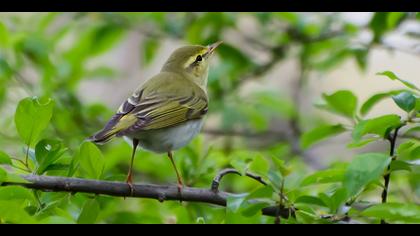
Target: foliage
x,y
46,58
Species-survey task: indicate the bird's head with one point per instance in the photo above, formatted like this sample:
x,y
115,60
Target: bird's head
x,y
191,61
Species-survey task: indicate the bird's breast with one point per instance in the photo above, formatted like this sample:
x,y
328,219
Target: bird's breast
x,y
170,138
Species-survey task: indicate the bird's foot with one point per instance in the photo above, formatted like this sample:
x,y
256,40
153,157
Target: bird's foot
x,y
131,187
129,182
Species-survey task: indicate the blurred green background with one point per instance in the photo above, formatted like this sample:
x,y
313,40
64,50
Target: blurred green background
x,y
264,84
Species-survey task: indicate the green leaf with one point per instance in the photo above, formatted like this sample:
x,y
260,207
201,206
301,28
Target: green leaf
x,y
305,217
315,135
290,17
400,165
46,20
47,151
234,210
36,48
334,200
310,200
338,199
394,19
364,169
15,178
361,143
89,213
104,38
32,117
251,209
281,166
405,101
5,69
372,101
15,193
324,176
361,56
240,165
233,202
342,102
378,25
4,36
3,175
259,165
395,212
150,47
262,192
255,201
13,212
275,179
4,158
409,150
380,126
391,75
53,167
207,27
91,160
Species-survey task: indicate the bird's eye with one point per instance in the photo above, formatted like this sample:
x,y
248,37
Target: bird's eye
x,y
199,58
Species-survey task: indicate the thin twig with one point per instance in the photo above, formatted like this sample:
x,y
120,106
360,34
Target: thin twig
x,y
21,162
277,219
392,140
216,181
19,168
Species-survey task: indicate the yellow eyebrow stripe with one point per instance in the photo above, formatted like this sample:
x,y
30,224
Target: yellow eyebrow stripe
x,y
192,58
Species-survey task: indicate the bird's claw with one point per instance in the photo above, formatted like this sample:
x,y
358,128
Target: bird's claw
x,y
131,187
129,182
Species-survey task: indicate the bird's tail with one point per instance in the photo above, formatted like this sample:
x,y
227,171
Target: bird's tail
x,y
102,136
108,132
117,123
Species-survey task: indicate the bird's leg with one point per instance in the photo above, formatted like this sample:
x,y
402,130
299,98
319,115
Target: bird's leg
x,y
129,180
180,184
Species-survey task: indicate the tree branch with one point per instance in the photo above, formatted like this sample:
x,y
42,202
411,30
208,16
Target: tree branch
x,y
392,141
119,189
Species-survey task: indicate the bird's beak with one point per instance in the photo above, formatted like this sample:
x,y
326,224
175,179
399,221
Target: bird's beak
x,y
213,46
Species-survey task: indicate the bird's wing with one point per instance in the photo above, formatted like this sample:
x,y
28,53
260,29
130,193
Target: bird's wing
x,y
161,104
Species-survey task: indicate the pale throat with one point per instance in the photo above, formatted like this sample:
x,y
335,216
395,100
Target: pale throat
x,y
199,80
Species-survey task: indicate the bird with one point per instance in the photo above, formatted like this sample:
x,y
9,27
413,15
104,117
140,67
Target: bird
x,y
166,112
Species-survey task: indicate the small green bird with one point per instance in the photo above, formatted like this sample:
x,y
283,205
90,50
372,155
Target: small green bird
x,y
166,112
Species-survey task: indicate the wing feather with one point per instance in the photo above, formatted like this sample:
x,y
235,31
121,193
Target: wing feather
x,y
164,106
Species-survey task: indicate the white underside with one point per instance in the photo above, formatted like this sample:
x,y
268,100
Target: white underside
x,y
168,139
